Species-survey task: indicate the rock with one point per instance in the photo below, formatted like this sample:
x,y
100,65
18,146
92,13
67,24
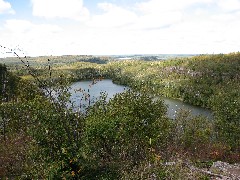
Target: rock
x,y
229,171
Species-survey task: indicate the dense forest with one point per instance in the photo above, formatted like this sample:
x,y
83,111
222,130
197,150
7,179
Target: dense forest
x,y
128,137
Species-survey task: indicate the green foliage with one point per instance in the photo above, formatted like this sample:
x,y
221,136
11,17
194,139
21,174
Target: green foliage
x,y
52,130
227,118
210,81
87,74
122,130
127,137
193,131
13,156
193,135
8,84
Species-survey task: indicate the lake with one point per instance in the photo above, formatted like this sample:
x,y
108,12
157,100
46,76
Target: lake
x,y
86,92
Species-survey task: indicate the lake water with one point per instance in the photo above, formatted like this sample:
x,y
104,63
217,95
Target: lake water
x,y
86,92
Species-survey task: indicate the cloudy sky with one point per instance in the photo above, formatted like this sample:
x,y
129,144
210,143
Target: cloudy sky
x,y
106,27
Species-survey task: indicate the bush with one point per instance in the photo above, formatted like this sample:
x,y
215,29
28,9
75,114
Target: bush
x,y
227,118
194,135
123,131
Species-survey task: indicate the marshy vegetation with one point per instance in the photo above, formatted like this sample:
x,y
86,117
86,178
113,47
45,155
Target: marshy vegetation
x,y
127,137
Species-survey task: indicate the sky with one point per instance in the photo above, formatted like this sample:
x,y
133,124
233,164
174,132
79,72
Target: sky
x,y
117,27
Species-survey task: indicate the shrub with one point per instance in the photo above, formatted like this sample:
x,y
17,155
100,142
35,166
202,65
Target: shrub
x,y
123,131
193,134
227,118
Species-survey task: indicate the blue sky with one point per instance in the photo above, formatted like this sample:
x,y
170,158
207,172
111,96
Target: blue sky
x,y
106,27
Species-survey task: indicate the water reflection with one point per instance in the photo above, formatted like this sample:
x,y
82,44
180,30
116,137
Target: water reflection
x,y
175,105
87,92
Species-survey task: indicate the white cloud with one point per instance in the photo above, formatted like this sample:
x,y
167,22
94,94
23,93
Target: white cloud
x,y
34,38
5,7
193,26
229,5
24,26
113,16
161,13
155,26
72,9
158,20
156,6
158,13
226,17
20,26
